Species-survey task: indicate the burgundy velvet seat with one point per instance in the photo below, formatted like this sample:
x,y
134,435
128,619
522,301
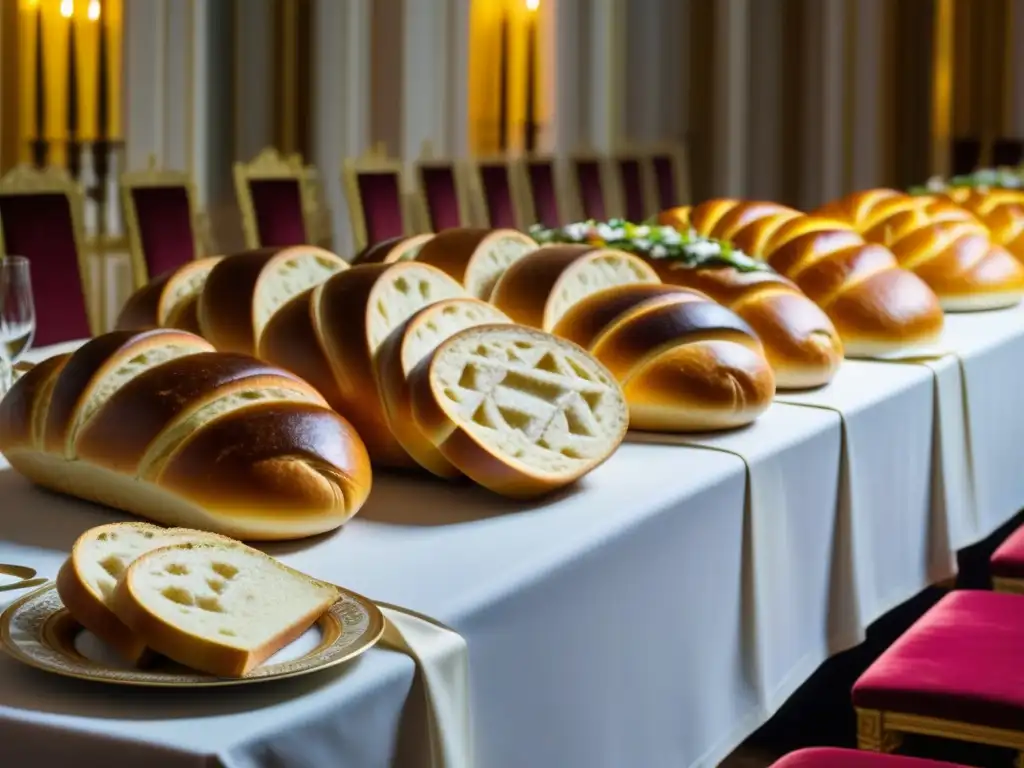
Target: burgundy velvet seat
x,y
380,196
630,172
589,183
439,185
41,228
540,180
665,186
1007,563
166,234
825,757
277,205
958,671
499,199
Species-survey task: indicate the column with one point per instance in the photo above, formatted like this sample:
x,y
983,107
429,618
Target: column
x,y
572,78
765,115
731,45
253,75
607,72
867,91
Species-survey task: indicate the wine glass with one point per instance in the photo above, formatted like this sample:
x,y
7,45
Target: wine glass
x,y
17,316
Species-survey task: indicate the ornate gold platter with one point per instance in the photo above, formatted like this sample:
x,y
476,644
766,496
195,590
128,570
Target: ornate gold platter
x,y
38,631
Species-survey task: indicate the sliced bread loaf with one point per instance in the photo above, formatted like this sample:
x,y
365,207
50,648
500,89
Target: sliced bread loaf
x,y
218,607
87,579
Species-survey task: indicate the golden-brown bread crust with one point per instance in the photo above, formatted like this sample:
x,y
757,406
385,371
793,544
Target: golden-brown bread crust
x,y
141,310
392,374
943,244
587,318
1000,210
833,267
152,305
93,360
799,340
391,250
463,251
528,289
120,433
505,475
23,409
227,311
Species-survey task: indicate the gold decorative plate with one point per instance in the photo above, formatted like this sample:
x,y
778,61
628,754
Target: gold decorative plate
x,y
38,631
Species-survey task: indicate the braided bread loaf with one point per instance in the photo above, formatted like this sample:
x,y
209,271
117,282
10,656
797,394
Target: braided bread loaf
x,y
685,363
391,250
158,424
941,243
1000,210
168,301
876,307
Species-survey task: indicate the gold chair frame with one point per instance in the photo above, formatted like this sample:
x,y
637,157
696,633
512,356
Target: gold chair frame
x,y
152,177
648,190
270,164
560,174
463,198
1013,586
375,161
881,731
679,159
24,180
610,187
472,181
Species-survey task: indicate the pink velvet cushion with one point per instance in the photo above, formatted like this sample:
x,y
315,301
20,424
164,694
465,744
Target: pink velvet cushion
x,y
381,196
632,189
498,196
588,177
541,175
961,661
1008,560
40,228
664,180
442,197
826,757
165,227
278,206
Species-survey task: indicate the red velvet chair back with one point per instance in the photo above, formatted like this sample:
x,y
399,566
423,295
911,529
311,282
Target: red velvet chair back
x,y
41,228
166,235
380,194
440,191
496,183
277,206
632,184
540,179
591,189
665,182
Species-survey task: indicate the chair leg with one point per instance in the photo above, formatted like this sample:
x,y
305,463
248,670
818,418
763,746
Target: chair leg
x,y
872,736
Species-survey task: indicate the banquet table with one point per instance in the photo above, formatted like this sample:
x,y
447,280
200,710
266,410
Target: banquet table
x,y
654,615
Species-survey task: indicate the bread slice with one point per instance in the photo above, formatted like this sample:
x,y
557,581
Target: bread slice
x,y
87,580
220,608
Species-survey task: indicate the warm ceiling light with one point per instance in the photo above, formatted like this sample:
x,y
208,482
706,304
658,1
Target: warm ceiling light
x,y
532,5
67,8
94,10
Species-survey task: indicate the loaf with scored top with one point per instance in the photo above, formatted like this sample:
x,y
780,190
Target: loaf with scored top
x,y
685,362
330,336
476,257
391,250
169,301
160,425
940,242
877,307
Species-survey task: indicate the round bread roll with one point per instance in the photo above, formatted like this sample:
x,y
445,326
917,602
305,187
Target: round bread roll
x,y
244,290
519,411
476,257
799,340
943,244
169,301
329,336
401,248
876,307
539,288
685,363
400,353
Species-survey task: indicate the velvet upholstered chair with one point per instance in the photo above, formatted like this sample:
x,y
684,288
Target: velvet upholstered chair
x,y
494,185
635,196
1007,564
958,673
542,179
443,199
825,757
378,203
161,221
276,201
669,169
590,183
41,218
